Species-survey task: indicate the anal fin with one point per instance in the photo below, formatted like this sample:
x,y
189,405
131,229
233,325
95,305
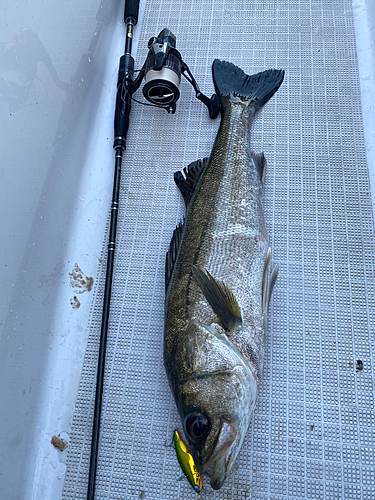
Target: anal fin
x,y
188,183
260,162
273,278
268,282
220,298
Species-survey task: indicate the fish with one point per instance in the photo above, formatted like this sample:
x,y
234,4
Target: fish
x,y
219,279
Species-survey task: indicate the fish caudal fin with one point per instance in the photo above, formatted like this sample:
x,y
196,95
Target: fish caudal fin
x,y
258,89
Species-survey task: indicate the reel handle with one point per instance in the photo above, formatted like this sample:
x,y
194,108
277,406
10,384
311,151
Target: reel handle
x,y
213,104
131,11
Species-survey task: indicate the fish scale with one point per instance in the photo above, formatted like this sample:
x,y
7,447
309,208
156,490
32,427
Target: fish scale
x,y
217,286
236,225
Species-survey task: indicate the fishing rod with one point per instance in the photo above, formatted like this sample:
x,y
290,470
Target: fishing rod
x,y
162,72
121,126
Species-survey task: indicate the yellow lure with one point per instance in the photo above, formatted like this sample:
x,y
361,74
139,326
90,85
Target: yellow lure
x,y
187,463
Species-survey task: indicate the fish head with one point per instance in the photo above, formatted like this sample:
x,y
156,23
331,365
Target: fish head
x,y
215,395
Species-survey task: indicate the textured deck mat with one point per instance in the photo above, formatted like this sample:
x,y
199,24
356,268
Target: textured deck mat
x,y
313,431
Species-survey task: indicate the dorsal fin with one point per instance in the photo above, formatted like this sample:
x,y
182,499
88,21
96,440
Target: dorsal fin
x,y
188,183
171,256
220,298
260,162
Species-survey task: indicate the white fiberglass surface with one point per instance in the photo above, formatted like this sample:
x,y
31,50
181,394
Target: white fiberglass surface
x,y
58,73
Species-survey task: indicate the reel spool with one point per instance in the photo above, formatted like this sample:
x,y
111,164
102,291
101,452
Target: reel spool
x,y
163,70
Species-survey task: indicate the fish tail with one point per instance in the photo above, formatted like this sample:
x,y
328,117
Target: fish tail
x,y
230,80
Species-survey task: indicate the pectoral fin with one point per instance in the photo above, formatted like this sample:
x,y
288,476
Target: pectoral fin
x,y
220,298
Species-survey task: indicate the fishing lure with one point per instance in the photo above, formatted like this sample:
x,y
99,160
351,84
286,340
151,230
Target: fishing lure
x,y
187,463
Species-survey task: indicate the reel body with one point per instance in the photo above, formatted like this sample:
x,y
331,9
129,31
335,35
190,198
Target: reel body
x,y
162,72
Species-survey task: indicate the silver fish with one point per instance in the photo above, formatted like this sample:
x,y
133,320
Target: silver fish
x,y
219,280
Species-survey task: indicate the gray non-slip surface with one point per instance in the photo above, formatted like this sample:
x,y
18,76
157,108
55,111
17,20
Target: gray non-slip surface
x,y
313,431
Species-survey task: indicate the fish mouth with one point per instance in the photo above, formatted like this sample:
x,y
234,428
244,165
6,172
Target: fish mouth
x,y
219,473
221,455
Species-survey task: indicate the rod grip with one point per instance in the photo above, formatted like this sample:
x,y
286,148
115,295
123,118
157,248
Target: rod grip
x,y
122,112
131,10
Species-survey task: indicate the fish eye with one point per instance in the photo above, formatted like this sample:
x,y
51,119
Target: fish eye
x,y
197,426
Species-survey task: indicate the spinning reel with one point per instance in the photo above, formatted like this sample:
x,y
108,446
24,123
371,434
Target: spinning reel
x,y
162,72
